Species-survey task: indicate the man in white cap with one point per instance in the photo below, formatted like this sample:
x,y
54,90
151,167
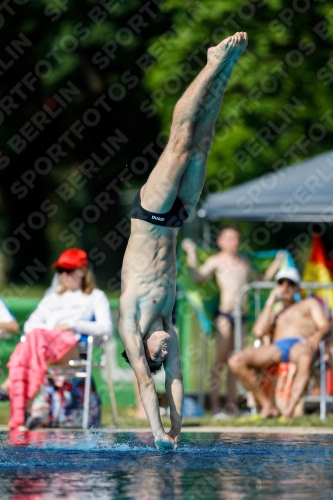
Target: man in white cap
x,y
296,328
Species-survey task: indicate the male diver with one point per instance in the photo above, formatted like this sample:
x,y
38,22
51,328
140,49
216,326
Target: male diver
x,y
159,209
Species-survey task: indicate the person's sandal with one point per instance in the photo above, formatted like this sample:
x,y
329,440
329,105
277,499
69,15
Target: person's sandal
x,y
33,422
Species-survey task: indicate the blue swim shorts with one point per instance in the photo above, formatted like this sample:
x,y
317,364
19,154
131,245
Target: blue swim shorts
x,y
284,346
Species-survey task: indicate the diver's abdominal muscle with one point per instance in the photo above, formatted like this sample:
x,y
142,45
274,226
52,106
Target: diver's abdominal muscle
x,y
144,257
152,276
149,265
148,270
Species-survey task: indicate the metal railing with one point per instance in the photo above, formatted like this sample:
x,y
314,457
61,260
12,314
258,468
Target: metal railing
x,y
257,286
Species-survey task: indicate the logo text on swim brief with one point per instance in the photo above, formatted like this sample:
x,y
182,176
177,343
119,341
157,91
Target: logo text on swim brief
x,y
157,218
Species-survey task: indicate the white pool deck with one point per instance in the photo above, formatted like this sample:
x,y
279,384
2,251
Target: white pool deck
x,y
215,429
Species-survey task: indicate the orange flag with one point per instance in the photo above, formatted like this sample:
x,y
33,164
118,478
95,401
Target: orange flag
x,y
319,269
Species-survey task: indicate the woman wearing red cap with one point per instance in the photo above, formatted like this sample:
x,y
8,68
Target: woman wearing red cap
x,y
53,330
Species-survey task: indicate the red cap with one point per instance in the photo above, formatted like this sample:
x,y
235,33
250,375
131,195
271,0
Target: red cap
x,y
72,258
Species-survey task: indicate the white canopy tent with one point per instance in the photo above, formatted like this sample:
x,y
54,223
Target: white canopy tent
x,y
299,193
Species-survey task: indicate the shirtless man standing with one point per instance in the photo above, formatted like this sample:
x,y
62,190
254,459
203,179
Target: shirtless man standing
x,y
232,272
159,209
296,328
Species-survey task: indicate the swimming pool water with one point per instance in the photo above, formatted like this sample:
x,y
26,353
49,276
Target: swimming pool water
x,y
102,465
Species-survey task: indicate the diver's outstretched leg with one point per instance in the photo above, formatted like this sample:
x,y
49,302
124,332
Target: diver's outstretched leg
x,y
193,178
194,116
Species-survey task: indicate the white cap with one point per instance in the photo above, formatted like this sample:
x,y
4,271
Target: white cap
x,y
290,273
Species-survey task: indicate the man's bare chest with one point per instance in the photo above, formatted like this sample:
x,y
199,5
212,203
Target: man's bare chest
x,y
232,274
296,319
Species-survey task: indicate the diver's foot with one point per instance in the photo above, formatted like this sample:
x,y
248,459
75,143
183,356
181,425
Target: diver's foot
x,y
269,412
228,51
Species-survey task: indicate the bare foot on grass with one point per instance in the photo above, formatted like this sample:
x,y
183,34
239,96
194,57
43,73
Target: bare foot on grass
x,y
269,412
287,414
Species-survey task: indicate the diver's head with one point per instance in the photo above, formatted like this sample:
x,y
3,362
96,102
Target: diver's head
x,y
156,346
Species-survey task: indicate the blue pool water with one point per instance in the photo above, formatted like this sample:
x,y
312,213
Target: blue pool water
x,y
102,465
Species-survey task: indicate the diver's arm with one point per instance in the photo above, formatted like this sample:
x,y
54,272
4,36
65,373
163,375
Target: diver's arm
x,y
174,385
132,341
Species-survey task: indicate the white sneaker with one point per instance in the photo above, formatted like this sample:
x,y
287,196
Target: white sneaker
x,y
220,416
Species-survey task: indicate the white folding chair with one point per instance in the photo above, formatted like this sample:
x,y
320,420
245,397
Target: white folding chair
x,y
83,368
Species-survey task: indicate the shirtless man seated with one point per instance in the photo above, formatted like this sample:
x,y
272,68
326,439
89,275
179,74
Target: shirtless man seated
x,y
159,209
296,329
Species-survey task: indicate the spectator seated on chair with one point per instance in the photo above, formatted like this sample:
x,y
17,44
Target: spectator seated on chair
x,y
296,327
8,326
53,331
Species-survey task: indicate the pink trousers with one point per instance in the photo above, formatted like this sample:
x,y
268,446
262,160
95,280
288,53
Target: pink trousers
x,y
28,365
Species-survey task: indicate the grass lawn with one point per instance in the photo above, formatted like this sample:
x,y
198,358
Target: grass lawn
x,y
125,420
128,421
37,291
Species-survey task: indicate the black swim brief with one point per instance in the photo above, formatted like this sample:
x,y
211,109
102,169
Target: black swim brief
x,y
174,218
231,317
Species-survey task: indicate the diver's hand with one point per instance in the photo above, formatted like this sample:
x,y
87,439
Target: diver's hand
x,y
174,435
165,441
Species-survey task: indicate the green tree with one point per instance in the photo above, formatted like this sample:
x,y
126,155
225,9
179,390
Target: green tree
x,y
72,64
277,106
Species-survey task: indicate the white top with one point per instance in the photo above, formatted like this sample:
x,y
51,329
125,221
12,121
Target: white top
x,y
87,314
5,315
